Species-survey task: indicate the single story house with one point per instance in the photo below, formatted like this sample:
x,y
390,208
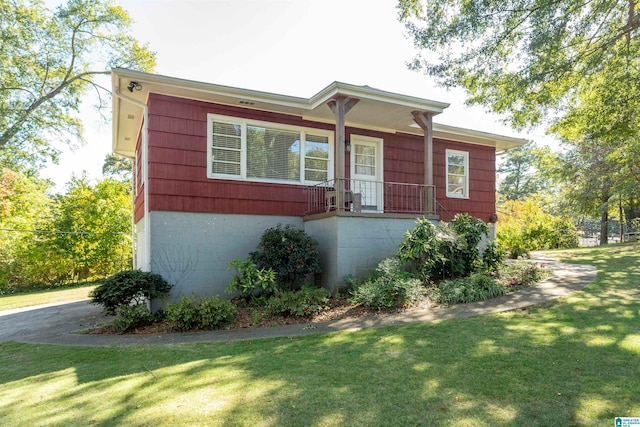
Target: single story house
x,y
354,166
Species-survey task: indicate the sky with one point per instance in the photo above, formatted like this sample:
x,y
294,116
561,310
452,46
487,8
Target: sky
x,y
290,47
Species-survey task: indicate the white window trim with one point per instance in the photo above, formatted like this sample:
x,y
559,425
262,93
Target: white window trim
x,y
243,123
464,154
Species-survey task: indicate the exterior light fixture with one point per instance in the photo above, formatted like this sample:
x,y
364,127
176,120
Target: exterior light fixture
x,y
134,85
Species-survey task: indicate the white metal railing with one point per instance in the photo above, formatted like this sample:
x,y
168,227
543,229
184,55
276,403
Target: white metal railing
x,y
354,195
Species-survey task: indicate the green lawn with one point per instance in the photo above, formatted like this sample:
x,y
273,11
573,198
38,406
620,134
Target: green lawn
x,y
8,302
575,361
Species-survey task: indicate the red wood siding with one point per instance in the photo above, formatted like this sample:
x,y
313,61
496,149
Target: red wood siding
x,y
138,208
482,179
404,162
178,165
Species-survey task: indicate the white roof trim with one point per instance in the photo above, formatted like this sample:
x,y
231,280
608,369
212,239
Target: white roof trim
x,y
314,108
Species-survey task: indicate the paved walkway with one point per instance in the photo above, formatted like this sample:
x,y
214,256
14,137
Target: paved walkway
x,y
57,323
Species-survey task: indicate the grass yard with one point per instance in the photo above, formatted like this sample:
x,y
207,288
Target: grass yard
x,y
8,302
571,362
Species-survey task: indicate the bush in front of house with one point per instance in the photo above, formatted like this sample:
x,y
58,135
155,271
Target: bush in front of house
x,y
470,231
129,287
420,248
389,287
493,258
521,274
196,312
290,252
476,287
250,280
305,302
446,250
132,316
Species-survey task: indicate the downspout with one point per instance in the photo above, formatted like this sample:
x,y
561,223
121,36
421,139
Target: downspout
x,y
145,178
134,261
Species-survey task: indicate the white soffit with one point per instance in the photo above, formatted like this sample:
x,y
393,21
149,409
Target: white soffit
x,y
375,110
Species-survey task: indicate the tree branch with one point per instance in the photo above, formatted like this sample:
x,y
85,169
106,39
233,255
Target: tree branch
x,y
13,130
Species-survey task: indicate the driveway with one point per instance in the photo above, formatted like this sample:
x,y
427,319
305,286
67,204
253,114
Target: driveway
x,y
49,322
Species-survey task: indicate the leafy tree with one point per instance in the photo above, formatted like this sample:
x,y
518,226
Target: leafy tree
x,y
96,223
49,61
572,64
117,167
602,136
520,57
523,172
27,257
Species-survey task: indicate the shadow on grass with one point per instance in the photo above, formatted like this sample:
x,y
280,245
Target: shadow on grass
x,y
574,362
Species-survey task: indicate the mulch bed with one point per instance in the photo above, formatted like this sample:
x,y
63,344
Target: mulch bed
x,y
256,317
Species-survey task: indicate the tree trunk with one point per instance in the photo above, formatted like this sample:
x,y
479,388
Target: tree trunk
x,y
621,211
604,227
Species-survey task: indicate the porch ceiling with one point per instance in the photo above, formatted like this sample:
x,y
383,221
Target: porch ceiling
x,y
376,109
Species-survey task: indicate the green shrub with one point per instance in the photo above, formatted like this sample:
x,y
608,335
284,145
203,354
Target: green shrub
x,y
130,287
250,280
216,312
446,250
290,252
470,231
421,248
305,302
493,257
201,313
391,286
133,316
522,273
526,227
476,287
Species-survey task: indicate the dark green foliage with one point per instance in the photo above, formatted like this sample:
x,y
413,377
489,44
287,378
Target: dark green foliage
x,y
305,302
201,313
522,172
444,251
476,287
290,252
522,273
132,316
421,248
493,257
129,287
471,230
249,280
389,287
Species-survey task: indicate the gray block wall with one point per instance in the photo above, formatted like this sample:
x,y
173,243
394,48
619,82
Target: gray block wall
x,y
353,246
191,250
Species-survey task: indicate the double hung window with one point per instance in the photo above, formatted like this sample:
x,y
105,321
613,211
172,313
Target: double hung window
x,y
457,174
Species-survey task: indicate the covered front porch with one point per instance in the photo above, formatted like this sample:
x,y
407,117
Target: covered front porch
x,y
372,197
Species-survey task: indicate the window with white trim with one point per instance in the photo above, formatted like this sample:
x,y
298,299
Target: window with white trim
x,y
260,151
457,173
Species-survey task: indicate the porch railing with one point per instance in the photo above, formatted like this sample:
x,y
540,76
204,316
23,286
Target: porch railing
x,y
353,195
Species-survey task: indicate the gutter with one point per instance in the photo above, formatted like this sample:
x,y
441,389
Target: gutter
x,y
145,180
